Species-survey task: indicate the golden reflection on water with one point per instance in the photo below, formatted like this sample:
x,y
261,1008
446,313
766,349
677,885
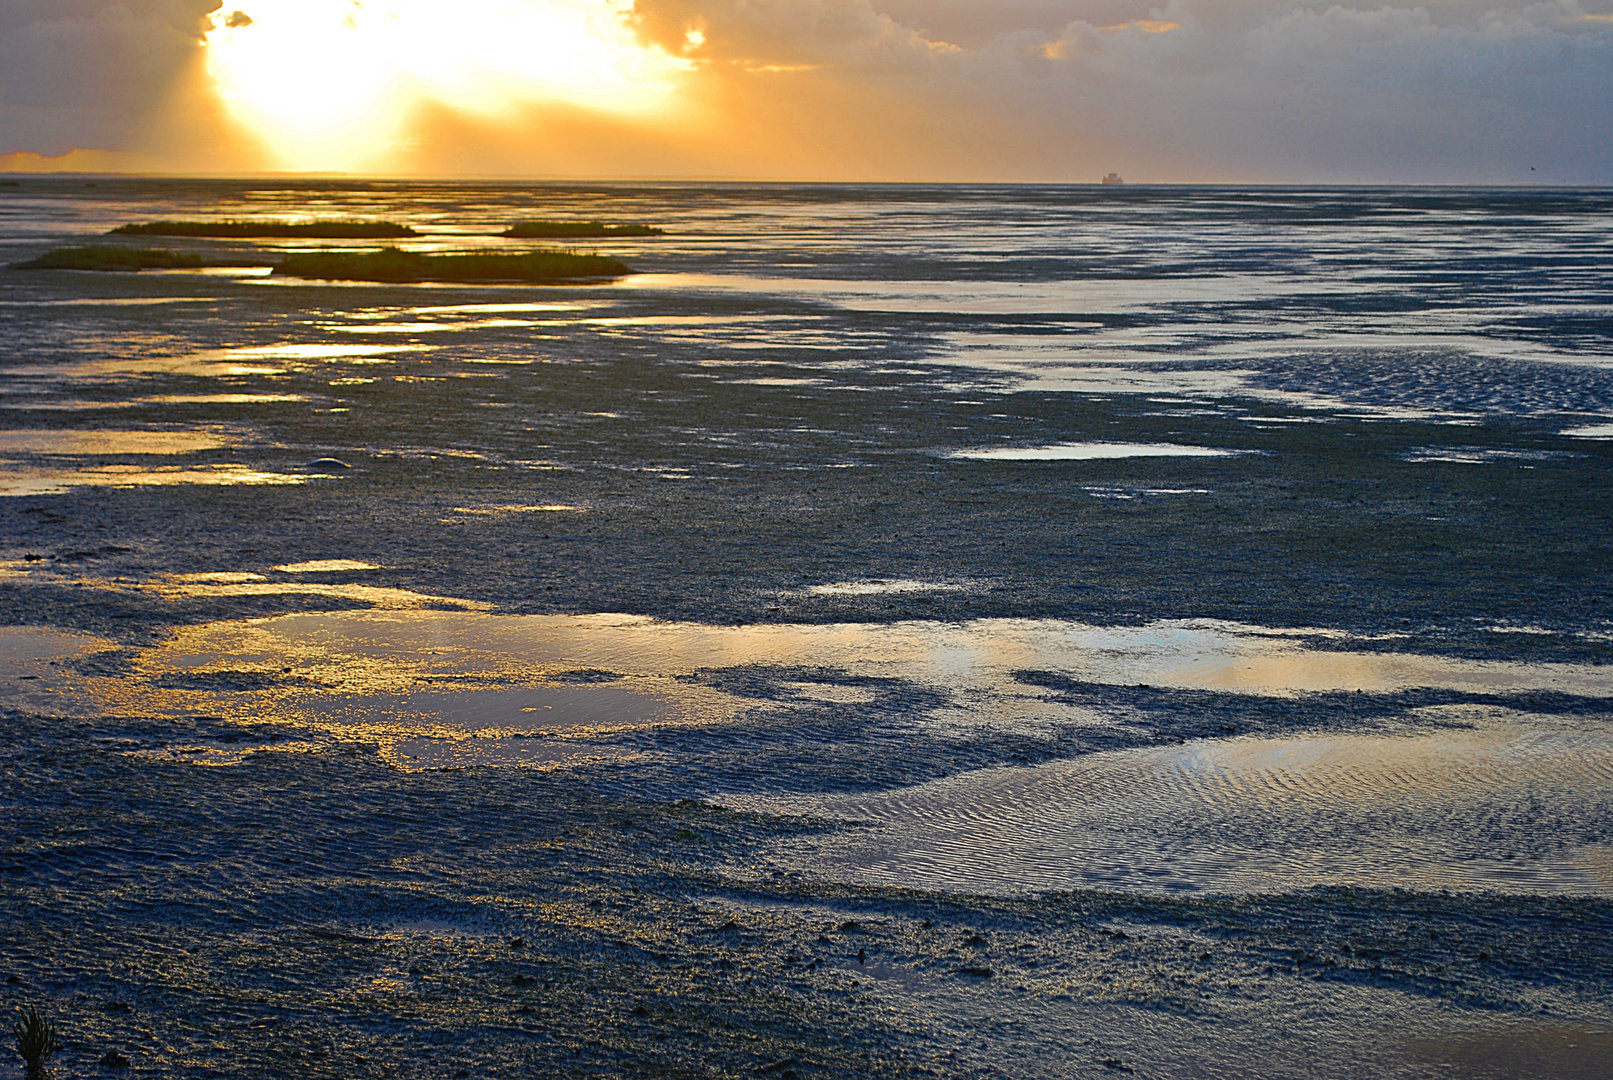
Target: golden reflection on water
x,y
380,597
28,482
37,404
433,688
56,442
311,352
409,636
436,327
981,654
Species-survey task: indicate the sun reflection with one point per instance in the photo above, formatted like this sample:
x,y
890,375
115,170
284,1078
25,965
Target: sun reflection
x,y
335,85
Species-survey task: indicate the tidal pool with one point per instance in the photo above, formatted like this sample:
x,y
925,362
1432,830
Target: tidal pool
x,y
1467,797
981,656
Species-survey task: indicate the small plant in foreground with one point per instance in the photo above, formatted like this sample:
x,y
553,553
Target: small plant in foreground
x,y
36,1041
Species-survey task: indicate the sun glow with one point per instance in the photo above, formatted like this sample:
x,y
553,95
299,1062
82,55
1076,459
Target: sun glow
x,y
335,84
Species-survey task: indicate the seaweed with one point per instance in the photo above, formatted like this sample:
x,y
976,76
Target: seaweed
x,y
393,265
576,230
247,230
104,257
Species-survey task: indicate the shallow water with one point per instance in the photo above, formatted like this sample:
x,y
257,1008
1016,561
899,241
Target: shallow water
x,y
1457,798
981,657
1504,809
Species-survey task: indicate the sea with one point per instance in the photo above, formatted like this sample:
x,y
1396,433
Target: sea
x,y
1197,601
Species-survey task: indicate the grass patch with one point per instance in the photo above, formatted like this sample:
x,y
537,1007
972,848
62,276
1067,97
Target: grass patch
x,y
101,257
576,230
246,230
36,1042
392,265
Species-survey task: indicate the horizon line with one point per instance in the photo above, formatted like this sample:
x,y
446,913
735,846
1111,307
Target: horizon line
x,y
341,177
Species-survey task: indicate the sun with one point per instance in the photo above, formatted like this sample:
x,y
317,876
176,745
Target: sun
x,y
332,84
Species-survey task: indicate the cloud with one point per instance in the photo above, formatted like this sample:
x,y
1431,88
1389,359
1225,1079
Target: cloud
x,y
1461,90
1167,90
780,35
91,73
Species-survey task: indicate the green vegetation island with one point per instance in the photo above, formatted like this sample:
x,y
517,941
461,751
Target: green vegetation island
x,y
253,230
392,265
576,230
105,257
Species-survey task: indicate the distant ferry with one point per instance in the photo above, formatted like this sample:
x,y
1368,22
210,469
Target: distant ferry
x,y
1112,178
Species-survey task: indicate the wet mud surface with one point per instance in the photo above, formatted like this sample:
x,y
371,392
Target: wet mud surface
x,y
965,632
325,914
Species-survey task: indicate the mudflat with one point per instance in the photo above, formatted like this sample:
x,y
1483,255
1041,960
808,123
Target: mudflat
x,y
1103,630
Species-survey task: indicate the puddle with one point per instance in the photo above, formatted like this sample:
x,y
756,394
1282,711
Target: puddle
x,y
369,658
1083,361
979,658
29,482
81,405
879,588
110,301
567,712
1511,809
221,271
56,442
35,672
312,352
1110,491
409,636
1067,296
1479,455
379,597
265,360
218,399
498,309
216,577
533,727
435,327
24,647
832,693
518,508
1097,451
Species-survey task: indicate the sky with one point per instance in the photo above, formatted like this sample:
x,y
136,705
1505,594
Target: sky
x,y
1179,91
